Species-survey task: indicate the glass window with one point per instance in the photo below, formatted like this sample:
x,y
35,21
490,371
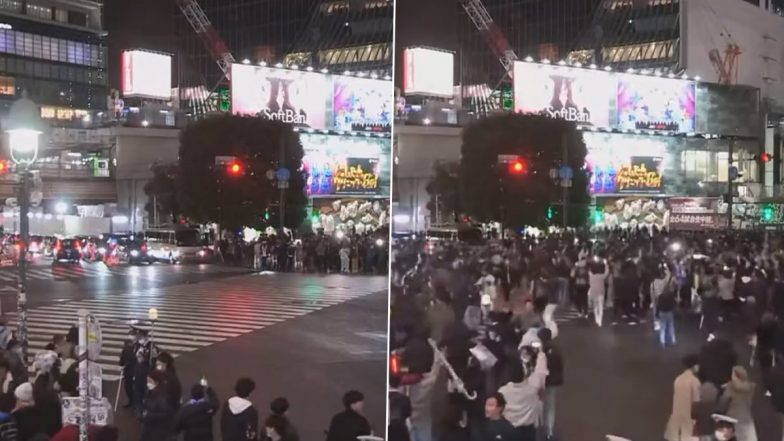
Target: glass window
x,y
695,164
37,46
77,18
63,47
61,15
46,48
11,42
11,5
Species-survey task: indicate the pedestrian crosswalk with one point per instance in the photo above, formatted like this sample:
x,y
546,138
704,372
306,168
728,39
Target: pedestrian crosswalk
x,y
99,270
193,317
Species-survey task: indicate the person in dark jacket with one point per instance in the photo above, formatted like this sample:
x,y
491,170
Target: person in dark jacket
x,y
775,385
554,379
280,406
399,411
26,415
128,364
349,424
240,420
276,428
7,423
47,403
194,419
496,427
665,312
158,413
165,364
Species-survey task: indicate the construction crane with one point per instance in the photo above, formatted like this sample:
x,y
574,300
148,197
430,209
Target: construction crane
x,y
211,39
493,35
727,66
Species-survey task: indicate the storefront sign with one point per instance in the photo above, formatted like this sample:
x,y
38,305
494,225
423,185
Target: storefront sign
x,y
311,99
641,176
605,99
697,221
687,205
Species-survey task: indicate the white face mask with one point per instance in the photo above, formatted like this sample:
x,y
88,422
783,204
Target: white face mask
x,y
160,366
720,435
150,386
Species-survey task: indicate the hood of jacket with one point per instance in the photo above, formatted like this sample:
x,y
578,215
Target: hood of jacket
x,y
238,405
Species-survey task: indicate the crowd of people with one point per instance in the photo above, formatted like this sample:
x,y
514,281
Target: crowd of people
x,y
313,253
31,399
474,338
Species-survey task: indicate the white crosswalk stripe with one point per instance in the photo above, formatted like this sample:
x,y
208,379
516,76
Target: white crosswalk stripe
x,y
99,270
195,316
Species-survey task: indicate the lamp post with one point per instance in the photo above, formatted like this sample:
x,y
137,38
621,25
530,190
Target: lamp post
x,y
23,128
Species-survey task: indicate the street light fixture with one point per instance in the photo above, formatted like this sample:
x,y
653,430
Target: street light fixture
x,y
24,128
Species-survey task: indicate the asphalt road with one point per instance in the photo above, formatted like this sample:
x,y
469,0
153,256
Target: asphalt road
x,y
618,381
309,338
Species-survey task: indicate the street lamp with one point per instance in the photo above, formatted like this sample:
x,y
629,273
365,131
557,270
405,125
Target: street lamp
x,y
24,129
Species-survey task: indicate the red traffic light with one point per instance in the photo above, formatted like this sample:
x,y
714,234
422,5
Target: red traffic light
x,y
3,167
765,158
517,167
234,169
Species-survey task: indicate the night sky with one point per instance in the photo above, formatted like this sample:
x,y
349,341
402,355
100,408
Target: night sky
x,y
149,24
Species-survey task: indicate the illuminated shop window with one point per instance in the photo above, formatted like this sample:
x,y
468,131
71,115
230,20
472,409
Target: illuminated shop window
x,y
695,164
297,58
357,54
39,11
52,49
7,86
11,5
582,56
639,52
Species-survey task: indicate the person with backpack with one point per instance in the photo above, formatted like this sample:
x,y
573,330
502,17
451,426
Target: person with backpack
x,y
240,420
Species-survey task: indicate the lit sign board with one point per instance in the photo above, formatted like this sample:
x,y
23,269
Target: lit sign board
x,y
356,176
428,72
605,99
617,168
311,99
146,74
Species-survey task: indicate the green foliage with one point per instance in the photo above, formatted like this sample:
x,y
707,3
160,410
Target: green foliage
x,y
488,192
207,193
442,187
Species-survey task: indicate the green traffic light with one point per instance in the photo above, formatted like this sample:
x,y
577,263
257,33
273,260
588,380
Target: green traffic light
x,y
767,213
598,216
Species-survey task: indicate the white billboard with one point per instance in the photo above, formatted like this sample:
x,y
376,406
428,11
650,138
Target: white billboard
x,y
428,72
146,74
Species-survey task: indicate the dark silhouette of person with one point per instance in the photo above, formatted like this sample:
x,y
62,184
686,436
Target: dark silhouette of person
x,y
562,94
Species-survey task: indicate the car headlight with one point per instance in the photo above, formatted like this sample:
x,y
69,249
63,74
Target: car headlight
x,y
102,250
175,253
202,253
135,253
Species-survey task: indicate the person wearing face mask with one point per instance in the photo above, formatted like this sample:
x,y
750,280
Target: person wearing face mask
x,y
158,414
165,364
145,353
276,428
128,362
725,429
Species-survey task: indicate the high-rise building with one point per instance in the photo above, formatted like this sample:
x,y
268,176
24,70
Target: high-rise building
x,y
334,34
55,49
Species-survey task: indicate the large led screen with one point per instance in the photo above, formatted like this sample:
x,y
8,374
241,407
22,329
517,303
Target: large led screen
x,y
579,95
605,99
146,74
620,164
360,104
651,103
345,165
428,72
291,96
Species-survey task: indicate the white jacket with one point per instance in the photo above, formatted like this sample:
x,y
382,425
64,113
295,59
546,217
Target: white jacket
x,y
596,282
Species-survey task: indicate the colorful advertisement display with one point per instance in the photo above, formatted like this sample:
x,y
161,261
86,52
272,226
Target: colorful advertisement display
x,y
651,103
428,72
614,171
146,74
578,95
310,99
345,165
603,99
359,104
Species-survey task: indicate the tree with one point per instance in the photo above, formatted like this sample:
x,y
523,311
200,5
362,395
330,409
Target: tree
x,y
442,189
161,191
207,192
491,192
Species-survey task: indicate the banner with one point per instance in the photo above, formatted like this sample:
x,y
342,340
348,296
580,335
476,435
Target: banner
x,y
361,104
640,174
344,165
696,214
651,103
357,176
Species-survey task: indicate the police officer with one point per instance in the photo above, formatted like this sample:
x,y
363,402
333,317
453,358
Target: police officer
x,y
146,353
128,364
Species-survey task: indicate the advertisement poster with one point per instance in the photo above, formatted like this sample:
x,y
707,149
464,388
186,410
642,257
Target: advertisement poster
x,y
294,97
650,103
578,95
642,175
345,165
428,72
361,104
146,74
696,214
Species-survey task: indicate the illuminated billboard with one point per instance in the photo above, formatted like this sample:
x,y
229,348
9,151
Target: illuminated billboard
x,y
604,99
146,74
346,165
617,168
313,100
428,72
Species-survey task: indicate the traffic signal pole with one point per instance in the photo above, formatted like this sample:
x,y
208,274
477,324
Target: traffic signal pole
x,y
564,187
281,186
730,178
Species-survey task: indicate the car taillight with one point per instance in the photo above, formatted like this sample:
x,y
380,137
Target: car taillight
x,y
394,364
143,247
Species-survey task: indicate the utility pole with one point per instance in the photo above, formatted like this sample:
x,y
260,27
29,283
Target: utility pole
x,y
565,184
730,177
24,230
281,185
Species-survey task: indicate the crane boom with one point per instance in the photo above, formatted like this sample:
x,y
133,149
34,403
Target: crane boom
x,y
204,29
494,36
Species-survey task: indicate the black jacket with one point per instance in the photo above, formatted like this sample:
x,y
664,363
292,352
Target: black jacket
x,y
555,367
666,301
28,423
194,419
347,426
158,416
776,387
239,425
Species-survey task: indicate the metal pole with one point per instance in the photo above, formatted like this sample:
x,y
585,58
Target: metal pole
x,y
84,382
24,230
564,187
282,190
729,182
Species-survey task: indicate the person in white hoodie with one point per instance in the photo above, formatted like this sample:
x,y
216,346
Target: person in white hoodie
x,y
240,420
597,290
522,394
